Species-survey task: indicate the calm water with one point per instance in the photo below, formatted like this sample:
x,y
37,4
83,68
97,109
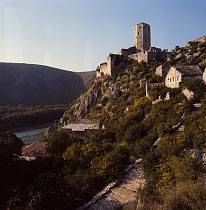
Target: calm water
x,y
30,136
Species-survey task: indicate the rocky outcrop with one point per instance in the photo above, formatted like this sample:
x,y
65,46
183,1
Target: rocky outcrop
x,y
194,53
101,92
200,39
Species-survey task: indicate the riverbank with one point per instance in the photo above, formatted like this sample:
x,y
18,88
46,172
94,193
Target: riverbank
x,y
25,117
32,135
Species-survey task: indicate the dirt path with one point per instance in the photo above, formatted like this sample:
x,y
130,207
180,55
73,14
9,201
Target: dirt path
x,y
119,193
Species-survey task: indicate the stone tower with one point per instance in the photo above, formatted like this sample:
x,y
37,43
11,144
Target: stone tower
x,y
142,36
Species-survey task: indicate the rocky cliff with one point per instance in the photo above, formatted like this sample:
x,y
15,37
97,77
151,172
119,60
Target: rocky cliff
x,y
101,91
105,92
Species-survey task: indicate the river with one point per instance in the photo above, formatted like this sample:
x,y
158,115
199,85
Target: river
x,y
32,135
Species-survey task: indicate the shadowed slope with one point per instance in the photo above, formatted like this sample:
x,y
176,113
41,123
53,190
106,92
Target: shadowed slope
x,y
36,84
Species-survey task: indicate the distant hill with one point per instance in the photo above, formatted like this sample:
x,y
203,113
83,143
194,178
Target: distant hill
x,y
87,76
32,84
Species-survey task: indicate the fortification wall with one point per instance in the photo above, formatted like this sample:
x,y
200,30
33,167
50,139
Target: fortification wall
x,y
102,70
116,63
140,56
129,51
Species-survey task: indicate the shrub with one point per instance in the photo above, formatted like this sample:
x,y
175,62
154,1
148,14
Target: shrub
x,y
9,144
59,141
177,169
134,133
186,195
111,165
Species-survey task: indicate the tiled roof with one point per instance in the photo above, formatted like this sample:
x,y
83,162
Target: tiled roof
x,y
85,121
189,70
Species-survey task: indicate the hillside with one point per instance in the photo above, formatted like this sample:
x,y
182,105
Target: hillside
x,y
31,84
104,93
168,134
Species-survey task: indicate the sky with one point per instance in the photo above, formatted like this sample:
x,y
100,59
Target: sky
x,y
78,35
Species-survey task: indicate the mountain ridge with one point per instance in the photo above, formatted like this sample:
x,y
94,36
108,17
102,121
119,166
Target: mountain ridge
x,y
32,84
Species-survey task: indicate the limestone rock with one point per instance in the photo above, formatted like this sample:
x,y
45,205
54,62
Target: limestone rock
x,y
188,94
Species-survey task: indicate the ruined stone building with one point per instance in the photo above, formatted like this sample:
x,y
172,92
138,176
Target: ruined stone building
x,y
178,74
83,125
141,51
114,64
162,70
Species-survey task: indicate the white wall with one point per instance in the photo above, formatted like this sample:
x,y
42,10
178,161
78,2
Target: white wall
x,y
204,76
173,78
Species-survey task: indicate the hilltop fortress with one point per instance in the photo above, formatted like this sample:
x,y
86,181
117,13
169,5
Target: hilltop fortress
x,y
141,51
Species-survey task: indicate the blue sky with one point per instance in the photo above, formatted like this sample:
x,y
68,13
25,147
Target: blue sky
x,y
79,34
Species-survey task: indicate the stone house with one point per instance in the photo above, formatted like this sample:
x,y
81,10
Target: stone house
x,y
179,74
162,70
83,125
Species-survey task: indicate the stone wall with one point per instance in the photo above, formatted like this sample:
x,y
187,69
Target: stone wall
x,y
129,51
162,70
134,56
149,55
204,76
143,56
156,84
140,56
102,70
116,63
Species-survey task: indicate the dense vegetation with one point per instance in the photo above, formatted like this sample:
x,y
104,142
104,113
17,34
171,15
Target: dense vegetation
x,y
31,84
80,165
13,117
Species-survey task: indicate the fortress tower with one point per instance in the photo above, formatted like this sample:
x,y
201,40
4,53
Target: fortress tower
x,y
142,37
